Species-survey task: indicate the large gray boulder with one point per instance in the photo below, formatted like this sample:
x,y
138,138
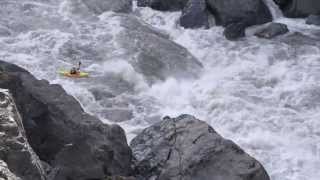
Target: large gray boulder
x,y
16,155
299,8
156,61
250,12
76,145
163,5
194,14
189,149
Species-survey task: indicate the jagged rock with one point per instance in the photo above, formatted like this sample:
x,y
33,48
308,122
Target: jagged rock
x,y
16,155
5,173
194,14
235,31
251,12
156,61
272,30
163,5
299,8
189,149
313,19
76,145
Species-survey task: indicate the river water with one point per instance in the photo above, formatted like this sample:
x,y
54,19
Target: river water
x,y
262,94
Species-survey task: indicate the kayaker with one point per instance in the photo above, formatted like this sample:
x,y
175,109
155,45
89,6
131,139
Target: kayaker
x,y
75,70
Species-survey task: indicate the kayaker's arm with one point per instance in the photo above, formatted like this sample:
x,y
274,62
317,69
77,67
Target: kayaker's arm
x,y
79,66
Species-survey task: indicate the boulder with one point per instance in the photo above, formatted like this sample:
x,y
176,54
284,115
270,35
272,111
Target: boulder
x,y
250,12
299,8
156,61
313,19
272,30
75,144
16,155
163,5
195,15
189,149
235,31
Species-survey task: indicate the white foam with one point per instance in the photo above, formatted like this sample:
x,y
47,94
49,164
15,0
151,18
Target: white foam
x,y
255,92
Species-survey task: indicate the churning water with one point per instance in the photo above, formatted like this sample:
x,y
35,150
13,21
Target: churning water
x,y
262,94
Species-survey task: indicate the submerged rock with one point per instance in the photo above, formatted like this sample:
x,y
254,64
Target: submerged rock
x,y
189,149
313,19
100,6
16,155
272,30
118,114
163,5
298,39
156,61
235,31
76,145
299,8
195,15
251,12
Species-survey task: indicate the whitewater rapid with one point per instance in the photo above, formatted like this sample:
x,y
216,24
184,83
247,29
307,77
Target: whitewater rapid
x,y
262,94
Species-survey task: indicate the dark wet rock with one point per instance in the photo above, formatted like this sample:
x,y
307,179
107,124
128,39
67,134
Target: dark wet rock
x,y
313,19
100,6
251,12
163,5
156,61
76,145
16,155
235,31
195,15
299,8
189,149
272,30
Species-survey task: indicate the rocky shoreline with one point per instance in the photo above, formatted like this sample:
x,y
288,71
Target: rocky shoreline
x,y
68,144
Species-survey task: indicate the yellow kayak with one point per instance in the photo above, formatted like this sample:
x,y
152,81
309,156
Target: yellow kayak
x,y
78,75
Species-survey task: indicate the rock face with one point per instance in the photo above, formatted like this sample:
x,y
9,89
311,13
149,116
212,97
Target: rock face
x,y
272,30
156,61
313,19
186,148
76,145
194,14
299,8
250,12
16,155
163,5
100,6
